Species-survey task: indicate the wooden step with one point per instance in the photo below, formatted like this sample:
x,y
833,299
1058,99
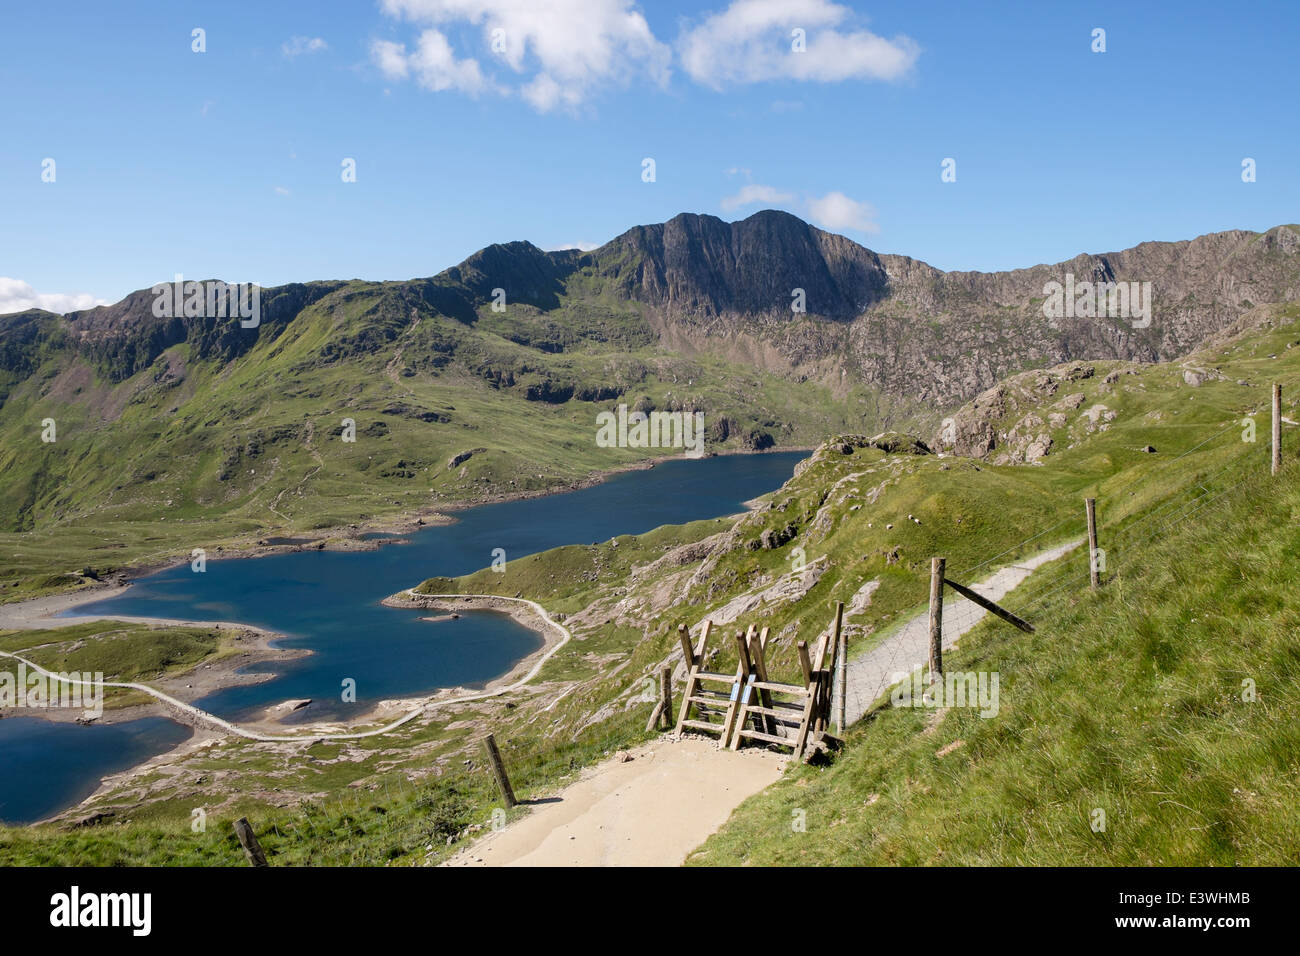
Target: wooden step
x,y
713,675
701,725
781,713
769,738
780,688
720,701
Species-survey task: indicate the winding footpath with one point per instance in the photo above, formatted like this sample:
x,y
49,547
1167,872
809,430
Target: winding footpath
x,y
188,713
655,804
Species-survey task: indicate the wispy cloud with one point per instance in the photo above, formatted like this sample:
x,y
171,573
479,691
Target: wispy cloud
x,y
433,63
753,41
754,193
837,211
581,246
297,46
18,296
834,210
281,191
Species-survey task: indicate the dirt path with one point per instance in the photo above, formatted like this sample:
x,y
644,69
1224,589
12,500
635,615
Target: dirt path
x,y
672,795
651,810
871,674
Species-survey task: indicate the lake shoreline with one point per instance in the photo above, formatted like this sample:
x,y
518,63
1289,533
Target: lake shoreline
x,y
39,613
350,537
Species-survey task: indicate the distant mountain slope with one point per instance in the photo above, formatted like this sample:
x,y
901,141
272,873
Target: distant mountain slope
x,y
195,428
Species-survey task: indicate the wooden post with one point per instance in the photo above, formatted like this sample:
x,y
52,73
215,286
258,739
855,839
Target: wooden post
x,y
1094,572
841,669
499,770
666,692
936,617
1277,427
980,600
688,652
248,840
805,662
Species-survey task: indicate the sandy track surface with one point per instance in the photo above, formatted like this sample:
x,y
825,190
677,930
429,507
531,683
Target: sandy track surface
x,y
651,810
656,808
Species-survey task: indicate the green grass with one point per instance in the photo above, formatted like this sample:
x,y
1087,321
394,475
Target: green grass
x,y
1132,700
118,650
626,603
392,818
196,450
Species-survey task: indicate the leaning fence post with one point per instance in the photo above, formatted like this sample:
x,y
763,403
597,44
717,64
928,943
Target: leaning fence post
x,y
1094,566
1277,427
248,840
936,617
666,691
841,668
499,770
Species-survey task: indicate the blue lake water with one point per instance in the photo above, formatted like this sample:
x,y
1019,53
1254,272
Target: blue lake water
x,y
328,601
45,767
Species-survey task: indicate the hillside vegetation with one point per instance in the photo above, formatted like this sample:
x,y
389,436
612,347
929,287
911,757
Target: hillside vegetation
x,y
1164,702
1196,602
180,432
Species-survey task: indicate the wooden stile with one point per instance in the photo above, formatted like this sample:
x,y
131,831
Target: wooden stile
x,y
695,695
798,723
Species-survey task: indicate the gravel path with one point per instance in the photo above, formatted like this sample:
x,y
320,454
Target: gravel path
x,y
871,674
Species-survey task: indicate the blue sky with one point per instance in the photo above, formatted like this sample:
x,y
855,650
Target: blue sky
x,y
227,163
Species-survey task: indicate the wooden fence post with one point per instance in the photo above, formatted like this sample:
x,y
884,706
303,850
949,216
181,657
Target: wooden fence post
x,y
1277,427
499,770
936,617
248,840
841,668
666,691
1094,572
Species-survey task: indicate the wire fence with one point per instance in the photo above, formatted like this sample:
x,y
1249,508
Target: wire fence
x,y
1122,536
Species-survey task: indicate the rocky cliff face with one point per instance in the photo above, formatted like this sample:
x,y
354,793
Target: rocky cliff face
x,y
913,330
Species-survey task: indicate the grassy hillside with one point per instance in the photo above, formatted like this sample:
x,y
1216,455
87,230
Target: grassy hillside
x,y
1136,701
844,519
194,450
176,432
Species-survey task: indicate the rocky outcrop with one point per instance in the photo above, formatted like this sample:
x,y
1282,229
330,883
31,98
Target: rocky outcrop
x,y
1008,424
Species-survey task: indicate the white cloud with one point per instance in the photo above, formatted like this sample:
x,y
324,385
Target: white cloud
x,y
751,41
390,57
18,296
755,193
581,246
561,52
297,46
281,191
433,62
837,211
